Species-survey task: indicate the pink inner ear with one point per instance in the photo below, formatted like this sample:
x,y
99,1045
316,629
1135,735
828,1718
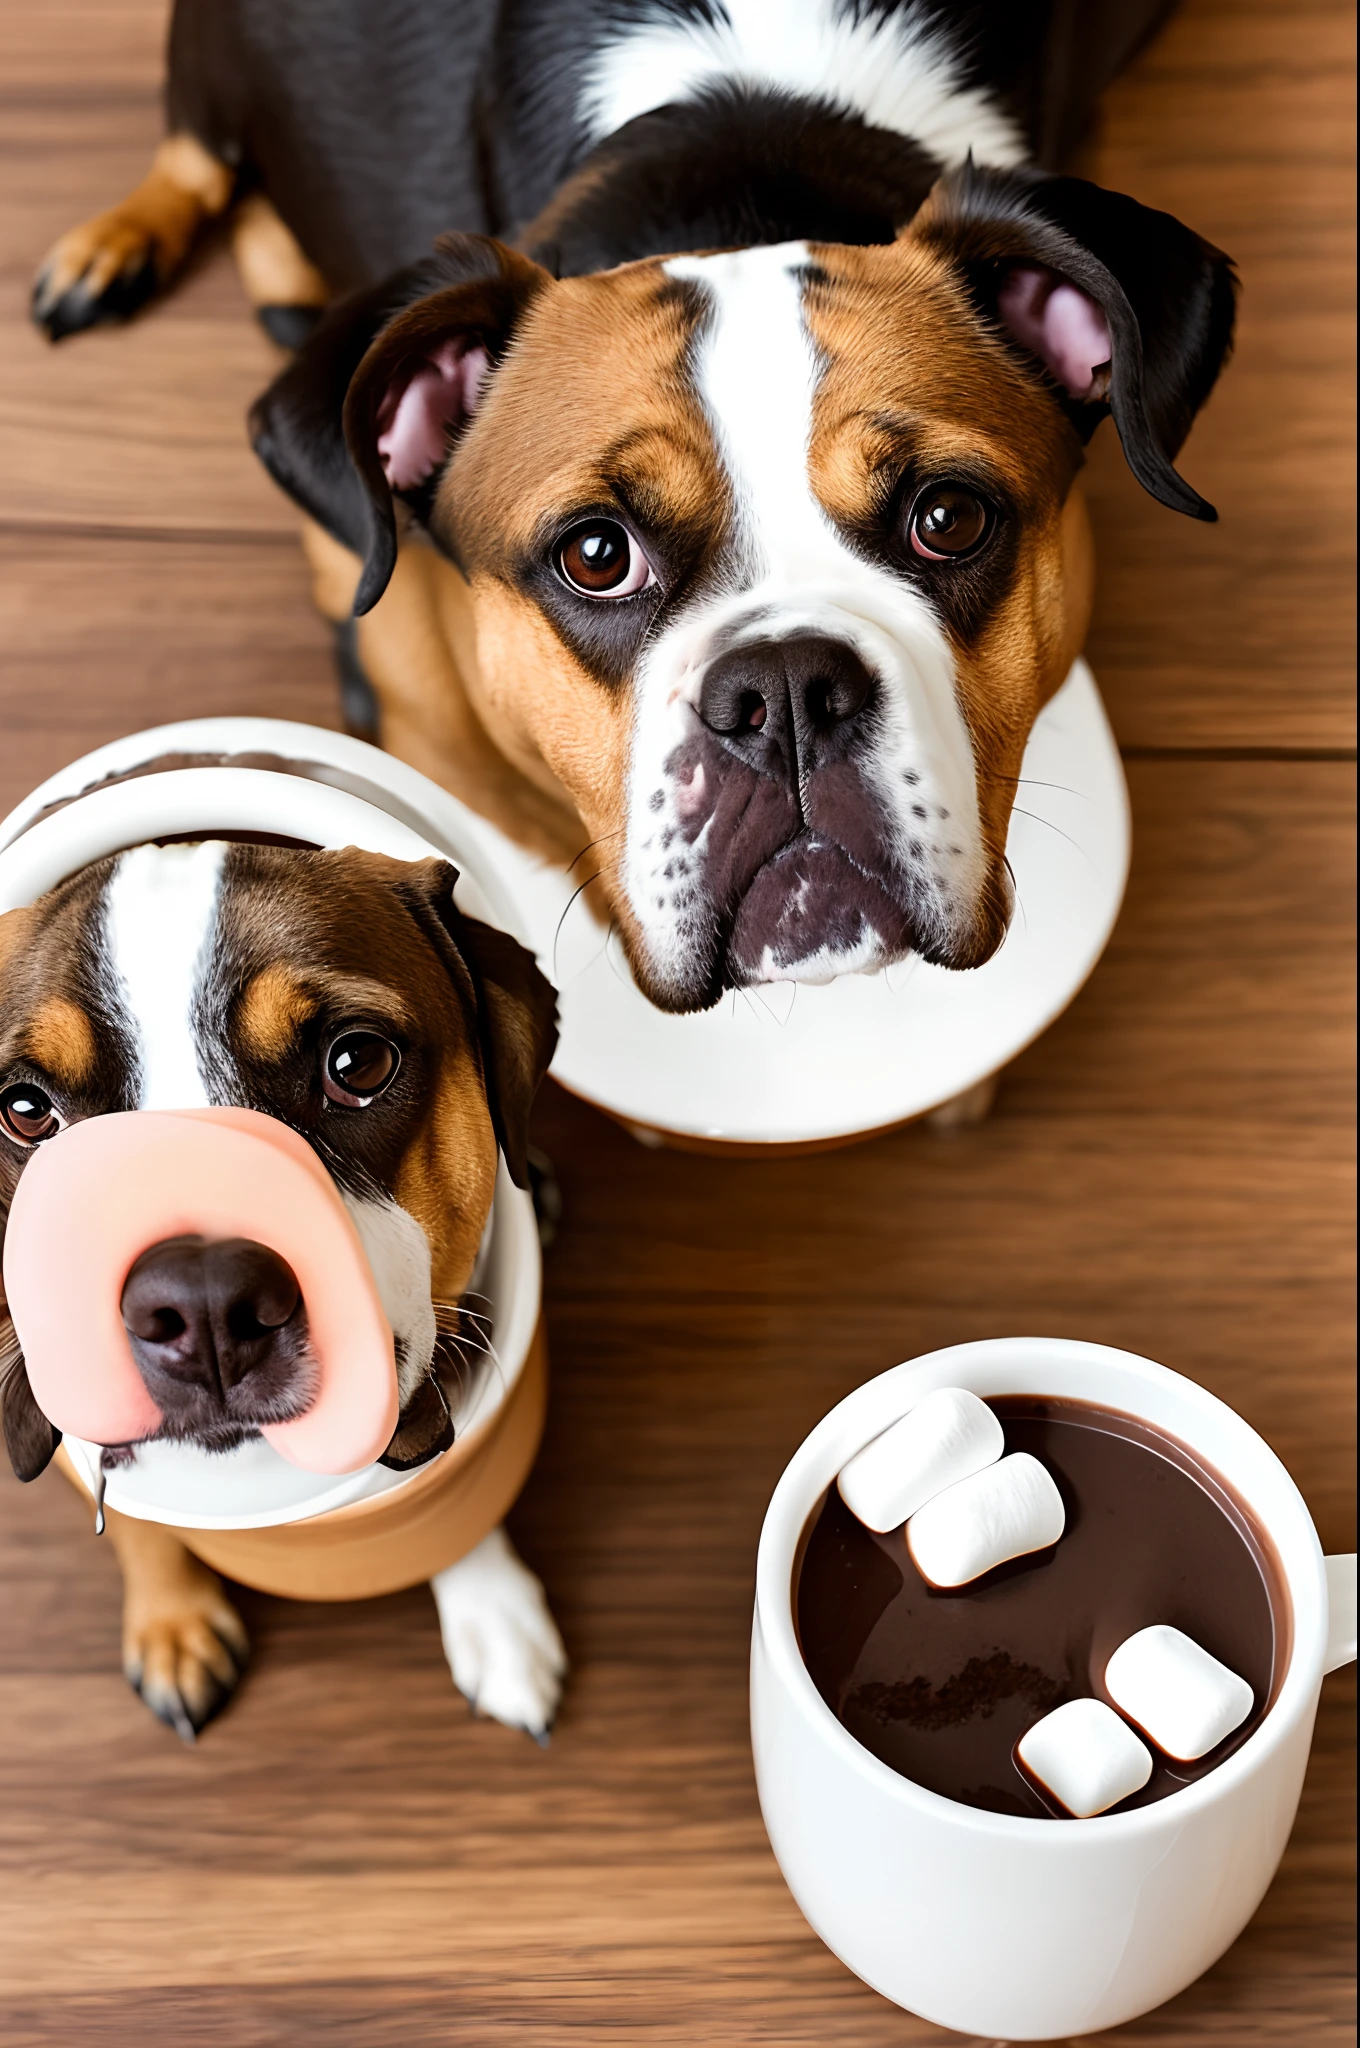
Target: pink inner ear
x,y
1063,326
416,422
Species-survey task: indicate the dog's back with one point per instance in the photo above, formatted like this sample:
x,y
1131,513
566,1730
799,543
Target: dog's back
x,y
374,130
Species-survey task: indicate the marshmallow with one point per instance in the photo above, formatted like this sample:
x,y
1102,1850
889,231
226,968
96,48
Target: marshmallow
x,y
1085,1756
1005,1511
946,1437
1183,1699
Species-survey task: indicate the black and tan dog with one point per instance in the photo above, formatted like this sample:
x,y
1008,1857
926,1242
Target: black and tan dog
x,y
751,568
344,993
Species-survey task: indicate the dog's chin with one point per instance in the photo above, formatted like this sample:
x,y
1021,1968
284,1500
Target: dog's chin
x,y
812,913
216,1438
212,1426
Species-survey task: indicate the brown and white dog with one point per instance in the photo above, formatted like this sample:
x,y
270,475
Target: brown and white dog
x,y
344,993
751,568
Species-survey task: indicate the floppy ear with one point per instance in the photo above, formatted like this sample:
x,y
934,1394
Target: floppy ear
x,y
1127,311
30,1438
516,1006
517,1023
375,400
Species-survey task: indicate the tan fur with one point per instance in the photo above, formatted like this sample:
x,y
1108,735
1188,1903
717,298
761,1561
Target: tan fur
x,y
269,259
61,1041
159,219
273,1010
184,1644
16,931
448,1175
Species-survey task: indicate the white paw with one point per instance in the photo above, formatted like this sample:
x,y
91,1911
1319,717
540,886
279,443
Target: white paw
x,y
499,1637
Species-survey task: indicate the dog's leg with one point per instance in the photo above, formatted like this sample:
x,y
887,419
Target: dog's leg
x,y
501,1642
287,292
974,1106
184,1644
109,266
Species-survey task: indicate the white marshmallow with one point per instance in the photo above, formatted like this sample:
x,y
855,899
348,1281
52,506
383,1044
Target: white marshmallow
x,y
1007,1510
947,1436
1180,1696
1085,1756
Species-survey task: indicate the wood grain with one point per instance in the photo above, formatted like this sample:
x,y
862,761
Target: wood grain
x,y
347,1855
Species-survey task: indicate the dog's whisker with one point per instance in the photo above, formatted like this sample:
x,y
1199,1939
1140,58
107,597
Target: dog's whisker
x,y
1075,844
563,918
590,845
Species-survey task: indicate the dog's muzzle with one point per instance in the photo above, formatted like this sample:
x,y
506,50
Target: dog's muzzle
x,y
168,1270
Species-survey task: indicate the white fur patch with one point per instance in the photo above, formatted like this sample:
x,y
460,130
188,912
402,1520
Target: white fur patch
x,y
501,1641
399,1253
790,572
160,913
898,72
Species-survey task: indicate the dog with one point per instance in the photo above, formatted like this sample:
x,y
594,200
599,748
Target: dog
x,y
707,496
343,993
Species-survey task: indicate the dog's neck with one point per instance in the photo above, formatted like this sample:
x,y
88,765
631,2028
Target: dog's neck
x,y
731,169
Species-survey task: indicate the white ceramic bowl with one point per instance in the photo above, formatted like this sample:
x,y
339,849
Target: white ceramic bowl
x,y
989,1923
350,795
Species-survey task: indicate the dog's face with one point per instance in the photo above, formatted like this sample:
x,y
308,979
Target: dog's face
x,y
340,992
774,554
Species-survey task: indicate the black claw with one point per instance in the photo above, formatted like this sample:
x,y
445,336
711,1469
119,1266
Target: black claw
x,y
175,1711
78,308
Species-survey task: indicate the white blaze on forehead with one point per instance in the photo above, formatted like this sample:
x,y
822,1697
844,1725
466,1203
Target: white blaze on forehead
x,y
895,71
160,917
757,374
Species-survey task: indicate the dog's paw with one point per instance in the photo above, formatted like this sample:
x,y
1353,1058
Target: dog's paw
x,y
499,1637
103,270
184,1656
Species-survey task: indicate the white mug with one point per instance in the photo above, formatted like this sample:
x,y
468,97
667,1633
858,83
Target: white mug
x,y
990,1923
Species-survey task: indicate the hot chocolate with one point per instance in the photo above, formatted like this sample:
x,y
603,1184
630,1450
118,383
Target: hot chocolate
x,y
941,1685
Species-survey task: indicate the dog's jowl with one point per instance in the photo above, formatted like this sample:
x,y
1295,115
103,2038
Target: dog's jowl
x,y
743,396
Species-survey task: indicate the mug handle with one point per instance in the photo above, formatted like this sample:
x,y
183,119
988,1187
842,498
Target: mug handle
x,y
1341,1612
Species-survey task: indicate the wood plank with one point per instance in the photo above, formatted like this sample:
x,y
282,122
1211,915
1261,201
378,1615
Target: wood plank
x,y
105,635
1239,119
1169,1169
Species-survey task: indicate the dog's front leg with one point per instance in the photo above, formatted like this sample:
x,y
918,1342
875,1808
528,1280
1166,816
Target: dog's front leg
x,y
184,1644
499,1637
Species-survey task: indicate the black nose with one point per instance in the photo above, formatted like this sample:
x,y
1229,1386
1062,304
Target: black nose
x,y
785,704
204,1314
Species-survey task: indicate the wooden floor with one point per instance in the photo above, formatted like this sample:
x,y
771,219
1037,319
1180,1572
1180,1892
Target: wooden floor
x,y
346,1856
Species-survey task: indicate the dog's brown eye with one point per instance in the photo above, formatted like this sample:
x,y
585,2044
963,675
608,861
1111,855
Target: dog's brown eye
x,y
603,560
29,1114
946,523
358,1066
